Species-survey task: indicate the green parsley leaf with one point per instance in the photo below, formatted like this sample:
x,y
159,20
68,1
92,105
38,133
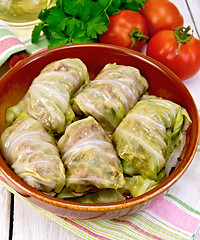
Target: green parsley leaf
x,y
134,5
70,7
95,27
72,25
55,42
105,3
114,7
55,17
44,13
80,37
36,32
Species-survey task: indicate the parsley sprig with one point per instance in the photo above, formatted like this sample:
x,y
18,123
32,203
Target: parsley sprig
x,y
79,21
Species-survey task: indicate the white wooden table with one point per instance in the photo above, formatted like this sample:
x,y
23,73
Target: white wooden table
x,y
18,221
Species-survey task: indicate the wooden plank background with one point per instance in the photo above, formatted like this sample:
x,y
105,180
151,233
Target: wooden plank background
x,y
18,221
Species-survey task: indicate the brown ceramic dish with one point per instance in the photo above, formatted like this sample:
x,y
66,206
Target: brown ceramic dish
x,y
163,83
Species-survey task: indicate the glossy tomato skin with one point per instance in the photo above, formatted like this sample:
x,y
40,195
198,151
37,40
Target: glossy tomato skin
x,y
163,48
161,15
121,24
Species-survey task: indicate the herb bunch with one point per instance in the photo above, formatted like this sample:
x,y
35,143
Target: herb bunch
x,y
79,21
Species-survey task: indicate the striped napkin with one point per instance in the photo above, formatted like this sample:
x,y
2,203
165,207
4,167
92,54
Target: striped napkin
x,y
9,43
173,216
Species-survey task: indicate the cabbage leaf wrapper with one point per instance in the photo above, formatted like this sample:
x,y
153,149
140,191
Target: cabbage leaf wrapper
x,y
100,196
134,187
110,96
31,152
89,157
152,134
137,185
48,98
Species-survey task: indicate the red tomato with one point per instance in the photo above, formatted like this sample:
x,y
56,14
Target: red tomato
x,y
160,15
163,47
126,29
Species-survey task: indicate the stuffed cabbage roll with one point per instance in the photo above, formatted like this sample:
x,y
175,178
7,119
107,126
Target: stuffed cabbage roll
x,y
89,157
48,98
32,154
150,134
110,96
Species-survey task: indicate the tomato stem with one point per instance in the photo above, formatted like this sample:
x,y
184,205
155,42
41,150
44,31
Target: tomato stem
x,y
182,36
136,35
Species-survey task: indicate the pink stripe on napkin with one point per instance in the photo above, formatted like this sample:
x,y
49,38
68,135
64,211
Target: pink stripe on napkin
x,y
173,215
137,228
9,42
79,226
2,179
